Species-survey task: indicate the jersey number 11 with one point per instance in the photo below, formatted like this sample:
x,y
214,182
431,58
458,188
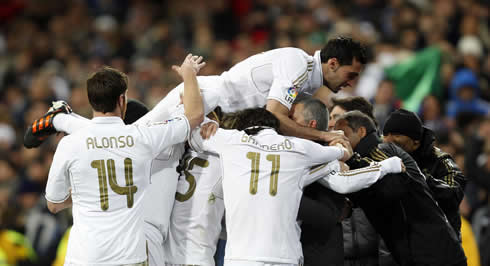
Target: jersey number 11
x,y
275,159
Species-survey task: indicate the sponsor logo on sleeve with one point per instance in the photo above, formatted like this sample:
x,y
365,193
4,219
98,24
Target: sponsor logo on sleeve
x,y
175,119
291,95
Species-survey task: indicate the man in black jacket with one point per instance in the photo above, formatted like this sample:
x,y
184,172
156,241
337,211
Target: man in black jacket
x,y
361,241
445,179
321,208
400,206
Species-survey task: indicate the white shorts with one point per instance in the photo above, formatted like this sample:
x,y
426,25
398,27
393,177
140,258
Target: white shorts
x,y
132,264
170,264
255,263
154,240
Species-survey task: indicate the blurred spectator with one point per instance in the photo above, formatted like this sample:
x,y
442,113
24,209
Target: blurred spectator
x,y
465,95
431,114
384,102
469,244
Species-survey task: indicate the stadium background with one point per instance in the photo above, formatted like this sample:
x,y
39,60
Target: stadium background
x,y
47,49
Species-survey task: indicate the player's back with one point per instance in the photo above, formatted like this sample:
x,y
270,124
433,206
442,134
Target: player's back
x,y
263,180
195,224
249,82
109,169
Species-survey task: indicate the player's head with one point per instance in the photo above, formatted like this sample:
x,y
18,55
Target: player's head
x,y
107,89
254,120
341,106
356,126
405,129
342,61
310,112
134,111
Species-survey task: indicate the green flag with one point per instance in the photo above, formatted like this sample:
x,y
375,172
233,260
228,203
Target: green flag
x,y
416,77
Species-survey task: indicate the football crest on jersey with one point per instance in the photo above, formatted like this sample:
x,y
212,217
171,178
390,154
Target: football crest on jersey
x,y
291,95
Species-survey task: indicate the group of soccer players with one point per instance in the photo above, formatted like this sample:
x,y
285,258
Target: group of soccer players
x,y
131,206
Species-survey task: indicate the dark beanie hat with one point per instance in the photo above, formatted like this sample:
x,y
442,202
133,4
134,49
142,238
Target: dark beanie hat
x,y
134,111
405,123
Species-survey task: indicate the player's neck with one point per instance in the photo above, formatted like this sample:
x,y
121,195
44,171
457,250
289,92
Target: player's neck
x,y
107,114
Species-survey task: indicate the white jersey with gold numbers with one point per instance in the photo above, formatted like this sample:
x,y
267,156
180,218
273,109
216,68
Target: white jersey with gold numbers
x,y
263,179
279,74
195,224
106,164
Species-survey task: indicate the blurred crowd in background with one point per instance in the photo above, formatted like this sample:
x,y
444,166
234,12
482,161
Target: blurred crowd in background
x,y
48,48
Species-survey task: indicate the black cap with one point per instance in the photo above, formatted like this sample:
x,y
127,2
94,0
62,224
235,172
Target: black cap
x,y
403,122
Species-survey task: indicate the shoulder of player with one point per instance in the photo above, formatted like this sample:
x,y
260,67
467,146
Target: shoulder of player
x,y
302,144
68,143
295,57
227,133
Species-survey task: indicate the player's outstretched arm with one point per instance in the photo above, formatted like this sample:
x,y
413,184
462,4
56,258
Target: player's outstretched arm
x,y
194,110
354,180
290,128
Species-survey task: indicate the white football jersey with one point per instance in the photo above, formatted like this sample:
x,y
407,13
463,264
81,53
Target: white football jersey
x,y
279,74
195,224
107,167
263,178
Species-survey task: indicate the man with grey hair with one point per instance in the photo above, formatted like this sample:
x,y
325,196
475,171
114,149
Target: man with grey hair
x,y
321,208
310,112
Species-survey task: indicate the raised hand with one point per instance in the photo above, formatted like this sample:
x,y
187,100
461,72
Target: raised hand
x,y
192,64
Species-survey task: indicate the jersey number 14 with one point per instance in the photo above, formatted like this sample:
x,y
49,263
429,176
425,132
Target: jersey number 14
x,y
127,190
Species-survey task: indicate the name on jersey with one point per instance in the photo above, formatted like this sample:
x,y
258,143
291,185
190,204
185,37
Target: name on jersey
x,y
110,142
285,145
291,95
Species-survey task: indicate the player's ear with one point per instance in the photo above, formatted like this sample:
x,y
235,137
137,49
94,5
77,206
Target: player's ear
x,y
312,124
333,64
416,144
362,132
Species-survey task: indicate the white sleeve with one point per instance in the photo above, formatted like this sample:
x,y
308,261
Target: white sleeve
x,y
319,154
355,180
69,123
289,76
170,106
163,110
213,144
58,185
165,134
319,171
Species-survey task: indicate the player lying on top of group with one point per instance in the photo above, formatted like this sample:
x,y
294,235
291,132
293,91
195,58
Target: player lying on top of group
x,y
273,79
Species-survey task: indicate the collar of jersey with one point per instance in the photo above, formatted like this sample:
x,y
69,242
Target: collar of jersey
x,y
107,120
317,74
267,131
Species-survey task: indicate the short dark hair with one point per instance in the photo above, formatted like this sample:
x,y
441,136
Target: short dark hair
x,y
253,120
354,103
104,88
134,111
315,109
345,50
357,119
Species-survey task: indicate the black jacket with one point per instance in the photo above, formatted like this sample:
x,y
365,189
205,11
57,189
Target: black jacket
x,y
401,208
446,181
321,231
361,241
